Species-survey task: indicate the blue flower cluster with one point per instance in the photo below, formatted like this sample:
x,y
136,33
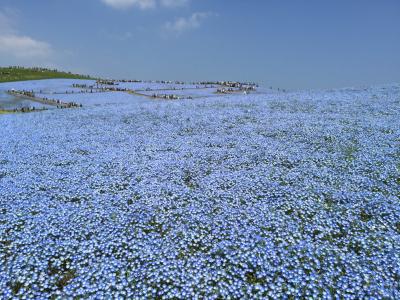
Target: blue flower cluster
x,y
281,196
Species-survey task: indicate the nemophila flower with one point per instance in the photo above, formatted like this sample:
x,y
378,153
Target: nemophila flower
x,y
256,196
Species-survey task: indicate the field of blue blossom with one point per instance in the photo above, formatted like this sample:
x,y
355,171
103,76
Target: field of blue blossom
x,y
46,86
155,85
193,92
278,195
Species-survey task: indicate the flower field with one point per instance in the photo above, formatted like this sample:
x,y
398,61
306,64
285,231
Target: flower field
x,y
279,195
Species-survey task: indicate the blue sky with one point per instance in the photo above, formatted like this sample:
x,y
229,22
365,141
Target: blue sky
x,y
288,44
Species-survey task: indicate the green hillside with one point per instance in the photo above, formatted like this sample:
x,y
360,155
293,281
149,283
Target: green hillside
x,y
19,74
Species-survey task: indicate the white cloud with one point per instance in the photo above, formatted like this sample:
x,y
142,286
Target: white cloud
x,y
17,45
123,4
144,4
174,3
23,46
182,25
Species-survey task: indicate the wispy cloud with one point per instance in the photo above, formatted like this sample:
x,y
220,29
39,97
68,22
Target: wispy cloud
x,y
144,4
182,25
124,4
121,36
7,20
15,44
174,3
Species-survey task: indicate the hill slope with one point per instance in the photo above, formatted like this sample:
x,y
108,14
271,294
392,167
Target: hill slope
x,y
8,74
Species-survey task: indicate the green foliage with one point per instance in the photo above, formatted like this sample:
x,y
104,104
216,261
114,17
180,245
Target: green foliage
x,y
8,74
3,112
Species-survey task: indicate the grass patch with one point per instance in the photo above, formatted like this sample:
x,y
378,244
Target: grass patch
x,y
4,112
397,227
350,152
365,216
65,279
189,180
16,287
252,278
